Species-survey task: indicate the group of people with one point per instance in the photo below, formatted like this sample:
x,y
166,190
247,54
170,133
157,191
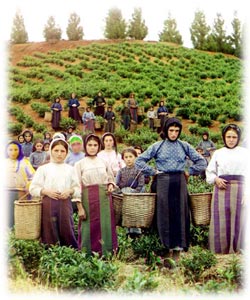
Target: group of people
x,y
82,173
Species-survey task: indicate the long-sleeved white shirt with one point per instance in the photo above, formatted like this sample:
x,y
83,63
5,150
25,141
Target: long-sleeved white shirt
x,y
227,161
54,176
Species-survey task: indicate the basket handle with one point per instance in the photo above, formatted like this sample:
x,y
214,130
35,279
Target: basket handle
x,y
23,197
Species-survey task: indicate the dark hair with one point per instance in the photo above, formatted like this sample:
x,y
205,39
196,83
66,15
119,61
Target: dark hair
x,y
130,150
56,142
138,147
38,141
168,123
29,132
113,137
233,127
91,137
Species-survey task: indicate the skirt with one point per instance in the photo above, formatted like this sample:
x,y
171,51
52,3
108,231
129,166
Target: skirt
x,y
98,232
172,210
226,225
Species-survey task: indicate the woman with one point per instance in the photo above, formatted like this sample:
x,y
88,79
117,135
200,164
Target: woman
x,y
110,154
162,113
73,108
97,232
56,108
173,219
56,182
19,175
227,170
99,103
133,106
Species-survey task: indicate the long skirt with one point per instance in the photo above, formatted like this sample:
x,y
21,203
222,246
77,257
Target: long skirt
x,y
89,126
134,115
12,195
56,118
74,114
57,223
100,111
110,126
173,216
226,225
98,232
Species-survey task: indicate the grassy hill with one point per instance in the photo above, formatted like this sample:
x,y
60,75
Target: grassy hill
x,y
204,89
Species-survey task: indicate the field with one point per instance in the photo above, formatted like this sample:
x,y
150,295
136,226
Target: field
x,y
203,89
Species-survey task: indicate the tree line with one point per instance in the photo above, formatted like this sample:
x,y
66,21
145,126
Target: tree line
x,y
203,36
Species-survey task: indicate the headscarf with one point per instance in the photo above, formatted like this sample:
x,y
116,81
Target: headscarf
x,y
28,131
94,137
113,137
55,141
20,154
75,138
233,127
58,135
168,123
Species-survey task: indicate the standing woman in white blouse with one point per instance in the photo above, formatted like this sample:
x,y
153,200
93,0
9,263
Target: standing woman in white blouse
x,y
227,170
57,183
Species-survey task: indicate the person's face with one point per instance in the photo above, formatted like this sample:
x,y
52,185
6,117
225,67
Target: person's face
x,y
70,130
231,138
92,147
58,153
21,139
39,147
73,95
13,151
76,147
57,100
46,147
138,151
27,137
200,151
47,136
205,137
173,133
108,143
129,159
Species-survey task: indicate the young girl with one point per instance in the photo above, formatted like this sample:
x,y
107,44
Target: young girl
x,y
56,182
110,154
47,137
27,145
20,139
56,108
98,232
19,175
88,119
130,180
76,147
38,156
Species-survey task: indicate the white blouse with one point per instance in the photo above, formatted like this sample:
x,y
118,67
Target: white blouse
x,y
227,161
93,171
54,176
113,159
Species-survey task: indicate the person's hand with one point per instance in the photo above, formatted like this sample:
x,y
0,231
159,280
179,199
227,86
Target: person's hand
x,y
51,193
110,188
74,105
186,174
221,183
81,213
66,194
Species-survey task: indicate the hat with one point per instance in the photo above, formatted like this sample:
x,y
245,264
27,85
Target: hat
x,y
75,139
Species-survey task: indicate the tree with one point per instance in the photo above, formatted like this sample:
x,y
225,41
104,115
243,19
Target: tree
x,y
18,34
235,39
74,31
199,31
137,28
170,33
52,32
115,25
217,40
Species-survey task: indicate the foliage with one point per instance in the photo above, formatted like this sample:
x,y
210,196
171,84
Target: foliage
x,y
40,108
199,31
139,282
136,27
199,235
66,122
52,32
170,33
74,31
196,262
198,185
19,34
15,128
115,25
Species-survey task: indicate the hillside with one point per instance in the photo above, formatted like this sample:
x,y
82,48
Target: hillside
x,y
201,88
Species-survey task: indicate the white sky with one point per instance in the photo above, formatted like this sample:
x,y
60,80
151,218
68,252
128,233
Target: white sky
x,y
94,12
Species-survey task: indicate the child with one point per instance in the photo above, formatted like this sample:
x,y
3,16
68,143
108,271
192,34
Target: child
x,y
56,182
69,132
109,117
88,119
47,137
76,147
27,146
20,139
130,180
19,175
56,108
151,116
46,150
38,156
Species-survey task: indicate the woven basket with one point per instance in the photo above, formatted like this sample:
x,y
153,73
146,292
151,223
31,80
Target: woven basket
x,y
117,205
27,216
157,122
48,116
201,208
138,209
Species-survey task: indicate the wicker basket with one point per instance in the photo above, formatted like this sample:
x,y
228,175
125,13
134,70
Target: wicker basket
x,y
157,122
138,209
117,205
48,116
27,216
201,208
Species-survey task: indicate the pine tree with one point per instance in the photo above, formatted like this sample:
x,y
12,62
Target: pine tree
x,y
199,31
170,33
235,38
18,35
52,32
74,31
115,25
137,28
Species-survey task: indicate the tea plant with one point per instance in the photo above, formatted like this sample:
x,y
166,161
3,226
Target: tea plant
x,y
198,185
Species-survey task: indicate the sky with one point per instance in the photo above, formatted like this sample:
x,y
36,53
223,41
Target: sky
x,y
94,12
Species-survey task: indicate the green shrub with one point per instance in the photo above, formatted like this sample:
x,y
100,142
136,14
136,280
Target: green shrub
x,y
15,128
66,122
139,282
204,121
